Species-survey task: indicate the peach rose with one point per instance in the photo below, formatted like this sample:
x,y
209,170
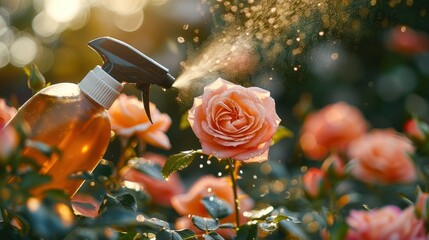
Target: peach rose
x,y
190,203
160,191
6,113
382,156
331,128
232,121
385,223
313,182
128,118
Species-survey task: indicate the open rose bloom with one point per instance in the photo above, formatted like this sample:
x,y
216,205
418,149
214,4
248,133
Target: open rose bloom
x,y
232,121
331,129
382,156
128,118
388,222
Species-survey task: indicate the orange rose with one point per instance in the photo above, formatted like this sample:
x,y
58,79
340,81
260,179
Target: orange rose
x,y
232,121
382,156
128,118
331,128
386,223
190,203
160,191
6,113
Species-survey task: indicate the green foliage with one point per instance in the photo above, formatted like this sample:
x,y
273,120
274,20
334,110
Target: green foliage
x,y
179,161
205,224
216,207
36,81
281,133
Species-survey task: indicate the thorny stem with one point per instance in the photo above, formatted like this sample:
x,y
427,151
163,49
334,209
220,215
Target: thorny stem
x,y
234,166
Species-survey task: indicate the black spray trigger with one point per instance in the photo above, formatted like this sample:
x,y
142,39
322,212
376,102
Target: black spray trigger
x,y
144,88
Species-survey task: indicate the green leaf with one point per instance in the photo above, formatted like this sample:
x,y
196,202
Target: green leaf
x,y
281,133
184,123
146,167
117,216
213,236
205,224
281,217
247,232
338,230
186,234
168,235
227,225
258,214
33,179
36,81
295,231
178,162
216,207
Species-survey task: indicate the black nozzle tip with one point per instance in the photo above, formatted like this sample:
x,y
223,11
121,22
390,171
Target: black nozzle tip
x,y
168,81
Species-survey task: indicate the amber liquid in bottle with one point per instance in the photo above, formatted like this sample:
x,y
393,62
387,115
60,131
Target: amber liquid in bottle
x,y
63,117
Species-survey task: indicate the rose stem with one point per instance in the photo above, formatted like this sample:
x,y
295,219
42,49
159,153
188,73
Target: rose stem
x,y
234,165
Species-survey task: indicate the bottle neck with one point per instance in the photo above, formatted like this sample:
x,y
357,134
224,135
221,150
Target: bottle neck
x,y
100,87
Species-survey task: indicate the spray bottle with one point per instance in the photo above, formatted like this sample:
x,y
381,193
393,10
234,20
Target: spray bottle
x,y
73,117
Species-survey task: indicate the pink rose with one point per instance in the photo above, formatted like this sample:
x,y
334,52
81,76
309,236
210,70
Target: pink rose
x,y
232,121
382,156
190,203
129,118
161,191
6,113
331,128
314,182
385,223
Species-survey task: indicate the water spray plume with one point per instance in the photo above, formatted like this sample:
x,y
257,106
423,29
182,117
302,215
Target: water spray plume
x,y
258,31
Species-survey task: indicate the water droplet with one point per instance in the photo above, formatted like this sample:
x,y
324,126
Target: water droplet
x,y
241,171
209,162
209,189
201,156
255,177
181,39
92,183
164,89
219,174
321,33
185,27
